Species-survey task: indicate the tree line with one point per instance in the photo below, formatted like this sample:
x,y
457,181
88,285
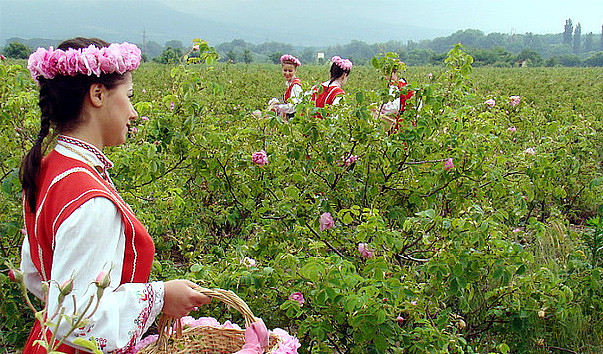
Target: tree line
x,y
568,48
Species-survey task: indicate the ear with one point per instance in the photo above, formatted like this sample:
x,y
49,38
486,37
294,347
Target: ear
x,y
97,94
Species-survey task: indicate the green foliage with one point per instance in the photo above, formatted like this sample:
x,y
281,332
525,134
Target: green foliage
x,y
595,59
493,254
16,50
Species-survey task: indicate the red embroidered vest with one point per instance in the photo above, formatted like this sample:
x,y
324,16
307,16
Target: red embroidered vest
x,y
66,184
326,95
287,94
400,84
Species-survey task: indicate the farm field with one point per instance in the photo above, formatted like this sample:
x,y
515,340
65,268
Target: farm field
x,y
475,228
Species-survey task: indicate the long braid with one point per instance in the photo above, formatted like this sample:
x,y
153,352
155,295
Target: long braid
x,y
30,166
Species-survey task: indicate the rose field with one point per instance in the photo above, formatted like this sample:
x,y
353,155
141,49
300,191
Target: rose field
x,y
475,228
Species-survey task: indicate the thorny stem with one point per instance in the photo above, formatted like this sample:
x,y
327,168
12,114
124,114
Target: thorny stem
x,y
325,241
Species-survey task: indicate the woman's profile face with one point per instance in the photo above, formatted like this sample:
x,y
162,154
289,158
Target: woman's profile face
x,y
118,113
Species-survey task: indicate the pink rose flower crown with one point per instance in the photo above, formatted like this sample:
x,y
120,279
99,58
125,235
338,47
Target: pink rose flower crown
x,y
116,58
345,64
290,59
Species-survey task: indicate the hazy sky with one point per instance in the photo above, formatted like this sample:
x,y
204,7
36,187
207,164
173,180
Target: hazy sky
x,y
298,22
505,16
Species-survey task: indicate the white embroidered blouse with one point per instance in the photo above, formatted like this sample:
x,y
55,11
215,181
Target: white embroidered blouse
x,y
92,239
296,98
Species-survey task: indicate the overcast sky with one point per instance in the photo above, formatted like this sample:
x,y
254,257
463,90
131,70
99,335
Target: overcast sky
x,y
505,16
298,22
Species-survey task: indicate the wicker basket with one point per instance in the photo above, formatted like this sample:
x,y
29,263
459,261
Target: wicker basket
x,y
205,339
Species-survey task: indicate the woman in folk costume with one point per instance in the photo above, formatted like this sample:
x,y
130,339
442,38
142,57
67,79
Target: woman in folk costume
x,y
330,92
391,111
79,229
293,94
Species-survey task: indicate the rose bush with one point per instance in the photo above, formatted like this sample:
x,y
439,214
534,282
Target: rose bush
x,y
434,206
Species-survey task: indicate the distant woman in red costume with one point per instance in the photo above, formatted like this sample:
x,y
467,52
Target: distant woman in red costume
x,y
79,229
293,93
391,111
330,92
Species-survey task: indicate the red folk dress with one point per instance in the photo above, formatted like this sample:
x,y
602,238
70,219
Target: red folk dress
x,y
395,108
67,183
287,95
326,95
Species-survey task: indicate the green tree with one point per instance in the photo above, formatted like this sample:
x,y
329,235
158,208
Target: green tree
x,y
531,55
268,48
247,56
588,42
275,58
567,31
174,44
577,38
231,56
170,56
152,49
16,50
595,60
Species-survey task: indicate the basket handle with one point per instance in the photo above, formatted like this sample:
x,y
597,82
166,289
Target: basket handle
x,y
168,326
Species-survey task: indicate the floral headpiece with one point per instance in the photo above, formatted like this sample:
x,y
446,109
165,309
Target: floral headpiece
x,y
345,64
290,59
116,58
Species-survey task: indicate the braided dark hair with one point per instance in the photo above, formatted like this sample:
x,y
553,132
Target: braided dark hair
x,y
61,101
337,72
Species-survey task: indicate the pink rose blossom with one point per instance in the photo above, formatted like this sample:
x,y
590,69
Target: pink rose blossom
x,y
400,319
514,100
512,129
288,343
365,251
144,118
326,221
189,321
134,130
516,230
196,47
260,158
490,102
350,160
297,296
448,165
171,105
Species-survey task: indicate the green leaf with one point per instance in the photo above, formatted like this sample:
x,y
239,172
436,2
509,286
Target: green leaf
x,y
89,344
292,191
503,348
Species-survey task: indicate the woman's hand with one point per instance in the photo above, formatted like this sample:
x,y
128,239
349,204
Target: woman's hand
x,y
180,298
